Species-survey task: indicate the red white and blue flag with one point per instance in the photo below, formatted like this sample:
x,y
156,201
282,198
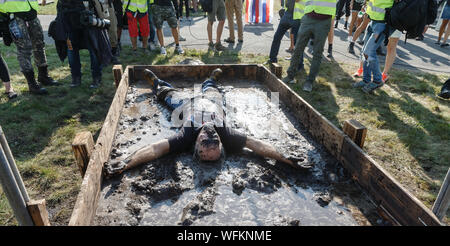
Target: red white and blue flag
x,y
258,11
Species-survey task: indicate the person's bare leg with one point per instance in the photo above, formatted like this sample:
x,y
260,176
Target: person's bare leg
x,y
160,37
391,54
175,35
361,27
144,42
352,23
447,33
209,29
134,42
8,87
291,36
442,29
219,30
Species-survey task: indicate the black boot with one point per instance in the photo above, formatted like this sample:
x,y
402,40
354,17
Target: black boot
x,y
351,49
44,79
345,25
96,82
33,86
330,51
336,25
76,81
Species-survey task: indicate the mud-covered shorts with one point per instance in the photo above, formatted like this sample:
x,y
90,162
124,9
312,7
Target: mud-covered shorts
x,y
164,13
357,6
218,9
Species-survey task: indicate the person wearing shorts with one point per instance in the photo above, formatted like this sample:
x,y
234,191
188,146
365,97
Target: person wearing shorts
x,y
339,13
135,15
218,11
118,9
356,6
163,10
391,54
445,24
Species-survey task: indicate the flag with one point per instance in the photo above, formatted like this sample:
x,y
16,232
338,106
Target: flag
x,y
258,11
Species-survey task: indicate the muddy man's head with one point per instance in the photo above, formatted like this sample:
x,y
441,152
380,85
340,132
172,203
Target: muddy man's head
x,y
215,74
208,146
150,76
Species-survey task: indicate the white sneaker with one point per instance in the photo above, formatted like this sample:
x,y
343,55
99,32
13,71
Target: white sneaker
x,y
152,46
179,50
163,51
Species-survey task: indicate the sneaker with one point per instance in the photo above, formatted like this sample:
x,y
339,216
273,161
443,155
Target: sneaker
x,y
163,51
359,72
351,48
444,45
361,83
219,47
368,88
11,95
438,42
289,80
179,50
151,46
307,86
289,50
384,77
181,38
330,52
240,40
211,45
135,52
420,38
229,40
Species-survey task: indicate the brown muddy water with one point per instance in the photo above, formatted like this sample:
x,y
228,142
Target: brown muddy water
x,y
245,189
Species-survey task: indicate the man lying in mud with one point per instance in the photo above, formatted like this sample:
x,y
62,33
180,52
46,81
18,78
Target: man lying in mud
x,y
203,127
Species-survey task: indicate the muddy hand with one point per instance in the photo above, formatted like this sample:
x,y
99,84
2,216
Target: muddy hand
x,y
114,168
300,162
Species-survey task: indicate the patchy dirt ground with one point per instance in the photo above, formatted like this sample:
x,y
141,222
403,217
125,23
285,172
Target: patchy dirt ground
x,y
245,189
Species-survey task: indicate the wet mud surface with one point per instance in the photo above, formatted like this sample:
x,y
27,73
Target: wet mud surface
x,y
244,189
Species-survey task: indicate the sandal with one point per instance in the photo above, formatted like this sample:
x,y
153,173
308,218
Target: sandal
x,y
11,95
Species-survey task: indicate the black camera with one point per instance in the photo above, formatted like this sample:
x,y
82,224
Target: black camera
x,y
87,18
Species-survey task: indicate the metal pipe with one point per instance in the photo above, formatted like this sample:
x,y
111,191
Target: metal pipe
x,y
442,202
12,192
13,166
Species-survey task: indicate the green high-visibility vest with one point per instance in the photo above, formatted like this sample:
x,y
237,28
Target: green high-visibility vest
x,y
152,1
299,10
325,7
376,9
136,5
16,6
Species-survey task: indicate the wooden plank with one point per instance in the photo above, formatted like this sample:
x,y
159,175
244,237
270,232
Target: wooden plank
x,y
117,72
356,131
320,127
38,212
383,188
442,202
87,200
82,146
276,69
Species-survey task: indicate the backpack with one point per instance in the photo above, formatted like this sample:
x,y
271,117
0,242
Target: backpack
x,y
411,16
206,5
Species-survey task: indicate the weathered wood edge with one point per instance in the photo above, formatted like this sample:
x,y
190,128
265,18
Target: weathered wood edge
x,y
87,200
387,192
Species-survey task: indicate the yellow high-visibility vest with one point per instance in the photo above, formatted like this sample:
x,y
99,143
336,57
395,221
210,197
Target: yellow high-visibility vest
x,y
136,5
325,7
16,6
376,9
299,10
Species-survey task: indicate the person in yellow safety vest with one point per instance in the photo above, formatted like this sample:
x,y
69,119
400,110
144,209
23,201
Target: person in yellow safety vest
x,y
376,34
290,20
28,36
136,11
316,23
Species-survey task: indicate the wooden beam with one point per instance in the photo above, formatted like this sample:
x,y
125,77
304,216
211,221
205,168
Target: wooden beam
x,y
442,202
87,200
82,147
38,212
276,69
117,72
356,131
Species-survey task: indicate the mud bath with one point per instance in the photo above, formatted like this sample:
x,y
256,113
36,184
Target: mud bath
x,y
245,189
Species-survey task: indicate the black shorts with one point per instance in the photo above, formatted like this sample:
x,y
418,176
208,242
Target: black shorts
x,y
119,12
357,6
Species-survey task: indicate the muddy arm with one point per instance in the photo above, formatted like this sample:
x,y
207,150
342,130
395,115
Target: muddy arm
x,y
148,153
266,150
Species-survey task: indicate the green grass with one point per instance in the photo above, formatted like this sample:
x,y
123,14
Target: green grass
x,y
407,125
48,9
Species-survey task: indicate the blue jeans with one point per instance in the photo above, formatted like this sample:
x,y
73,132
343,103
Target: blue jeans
x,y
371,64
285,24
75,64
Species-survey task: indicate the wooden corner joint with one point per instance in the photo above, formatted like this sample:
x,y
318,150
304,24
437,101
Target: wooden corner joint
x,y
38,212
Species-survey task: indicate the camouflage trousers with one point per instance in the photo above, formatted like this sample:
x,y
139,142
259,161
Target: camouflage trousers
x,y
32,42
